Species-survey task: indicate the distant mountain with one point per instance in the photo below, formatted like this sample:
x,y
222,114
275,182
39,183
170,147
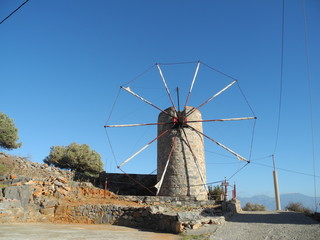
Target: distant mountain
x,y
285,199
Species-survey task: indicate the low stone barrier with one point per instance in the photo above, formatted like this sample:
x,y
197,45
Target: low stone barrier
x,y
26,200
182,201
154,218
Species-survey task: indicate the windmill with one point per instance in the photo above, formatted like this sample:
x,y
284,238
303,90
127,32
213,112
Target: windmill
x,y
181,166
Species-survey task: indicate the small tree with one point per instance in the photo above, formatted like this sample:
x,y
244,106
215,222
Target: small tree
x,y
254,207
8,133
76,157
298,207
215,192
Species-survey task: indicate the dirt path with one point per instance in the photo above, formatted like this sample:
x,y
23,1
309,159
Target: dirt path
x,y
42,231
263,226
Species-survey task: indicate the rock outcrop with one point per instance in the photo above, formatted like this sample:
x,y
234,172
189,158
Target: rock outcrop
x,y
33,192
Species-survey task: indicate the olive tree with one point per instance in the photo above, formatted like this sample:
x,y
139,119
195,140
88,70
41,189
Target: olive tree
x,y
215,192
8,133
76,157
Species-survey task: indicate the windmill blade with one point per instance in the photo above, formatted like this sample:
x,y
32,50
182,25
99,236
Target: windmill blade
x,y
221,145
146,101
223,120
135,124
159,184
166,87
192,83
208,100
135,154
195,160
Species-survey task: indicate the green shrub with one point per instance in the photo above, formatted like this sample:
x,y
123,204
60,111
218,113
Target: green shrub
x,y
215,192
76,157
8,133
3,169
298,207
254,207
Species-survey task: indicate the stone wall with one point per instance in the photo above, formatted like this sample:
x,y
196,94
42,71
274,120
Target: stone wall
x,y
152,217
182,201
129,184
148,217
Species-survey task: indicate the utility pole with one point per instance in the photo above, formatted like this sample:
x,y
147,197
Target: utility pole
x,y
276,187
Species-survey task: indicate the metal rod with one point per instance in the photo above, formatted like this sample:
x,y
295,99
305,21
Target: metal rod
x,y
192,83
221,145
127,160
222,120
178,97
195,160
166,87
135,124
159,184
146,101
208,100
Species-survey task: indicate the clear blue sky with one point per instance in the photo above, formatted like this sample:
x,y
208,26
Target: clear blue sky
x,y
62,62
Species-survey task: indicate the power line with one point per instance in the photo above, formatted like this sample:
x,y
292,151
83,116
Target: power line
x,y
287,170
218,71
139,75
238,171
177,63
14,11
310,101
281,80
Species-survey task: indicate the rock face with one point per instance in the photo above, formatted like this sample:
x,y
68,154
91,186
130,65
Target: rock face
x,y
31,191
56,198
23,167
24,199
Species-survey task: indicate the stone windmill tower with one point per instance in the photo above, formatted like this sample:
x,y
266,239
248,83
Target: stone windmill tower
x,y
181,160
181,167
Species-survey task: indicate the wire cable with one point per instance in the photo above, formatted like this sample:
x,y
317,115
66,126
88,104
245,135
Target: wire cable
x,y
113,106
110,145
218,71
176,63
252,139
287,170
281,81
310,101
14,11
238,171
139,75
245,98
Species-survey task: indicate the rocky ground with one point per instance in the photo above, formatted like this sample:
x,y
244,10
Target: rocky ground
x,y
33,192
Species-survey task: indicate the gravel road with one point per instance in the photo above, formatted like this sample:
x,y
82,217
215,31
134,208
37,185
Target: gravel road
x,y
263,226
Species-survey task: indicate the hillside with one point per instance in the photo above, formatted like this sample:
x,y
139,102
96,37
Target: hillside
x,y
285,199
33,192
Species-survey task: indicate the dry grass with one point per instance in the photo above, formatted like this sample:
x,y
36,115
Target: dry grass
x,y
254,207
298,207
